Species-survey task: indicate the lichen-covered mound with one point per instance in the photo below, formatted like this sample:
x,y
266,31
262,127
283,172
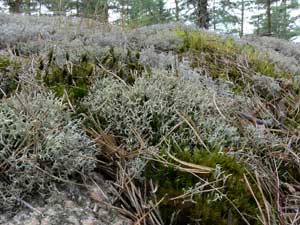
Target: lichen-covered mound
x,y
189,127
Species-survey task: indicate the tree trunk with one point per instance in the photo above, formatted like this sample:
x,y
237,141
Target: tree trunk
x,y
60,10
124,13
269,28
202,14
77,8
40,7
258,22
101,11
177,10
242,18
285,21
14,6
105,12
28,7
214,15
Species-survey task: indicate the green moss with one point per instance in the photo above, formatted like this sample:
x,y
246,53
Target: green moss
x,y
74,78
226,60
197,41
127,68
173,182
8,75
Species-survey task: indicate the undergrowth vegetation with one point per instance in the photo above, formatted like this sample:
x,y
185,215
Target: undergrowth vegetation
x,y
216,197
8,75
223,58
192,128
158,107
72,78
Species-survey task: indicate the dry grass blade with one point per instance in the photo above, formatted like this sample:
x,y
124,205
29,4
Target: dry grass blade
x,y
29,206
111,73
141,219
108,145
218,109
164,138
189,122
132,195
262,218
146,212
191,166
68,100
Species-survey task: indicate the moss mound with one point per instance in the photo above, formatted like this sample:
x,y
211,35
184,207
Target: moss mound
x,y
126,65
71,78
222,58
74,78
226,199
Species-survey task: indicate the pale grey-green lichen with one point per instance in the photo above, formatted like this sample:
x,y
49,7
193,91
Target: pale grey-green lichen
x,y
39,143
156,104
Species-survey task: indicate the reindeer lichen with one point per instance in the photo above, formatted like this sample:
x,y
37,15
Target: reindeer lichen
x,y
40,144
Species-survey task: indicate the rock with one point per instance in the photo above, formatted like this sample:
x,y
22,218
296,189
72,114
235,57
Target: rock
x,y
70,205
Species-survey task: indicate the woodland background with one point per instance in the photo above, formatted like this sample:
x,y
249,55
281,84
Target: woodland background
x,y
278,18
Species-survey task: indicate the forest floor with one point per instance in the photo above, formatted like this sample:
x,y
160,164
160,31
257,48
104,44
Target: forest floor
x,y
165,124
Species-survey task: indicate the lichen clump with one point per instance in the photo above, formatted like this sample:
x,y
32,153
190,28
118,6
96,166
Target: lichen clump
x,y
39,144
155,105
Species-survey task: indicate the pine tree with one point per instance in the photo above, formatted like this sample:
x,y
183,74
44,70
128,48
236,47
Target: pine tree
x,y
14,6
142,12
177,10
195,10
281,24
97,9
202,14
269,19
223,17
31,6
199,12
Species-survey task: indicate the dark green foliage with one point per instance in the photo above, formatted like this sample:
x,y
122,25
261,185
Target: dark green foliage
x,y
172,183
140,13
126,67
8,75
73,78
283,21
